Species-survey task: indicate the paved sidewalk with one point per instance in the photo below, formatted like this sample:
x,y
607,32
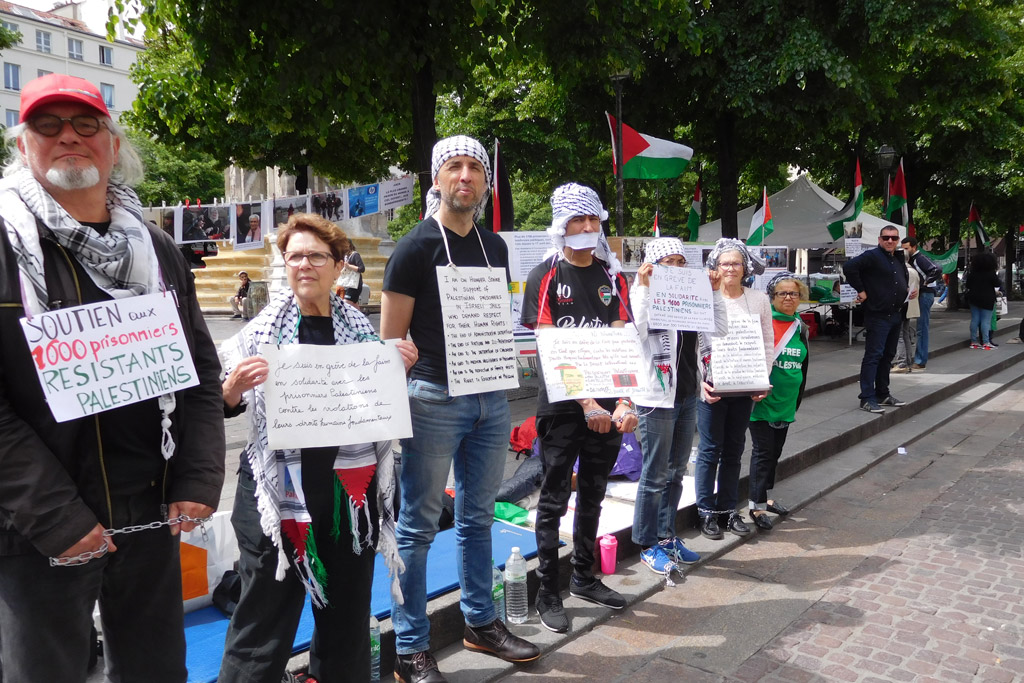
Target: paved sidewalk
x,y
911,572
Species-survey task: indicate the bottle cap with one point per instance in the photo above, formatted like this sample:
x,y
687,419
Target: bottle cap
x,y
515,549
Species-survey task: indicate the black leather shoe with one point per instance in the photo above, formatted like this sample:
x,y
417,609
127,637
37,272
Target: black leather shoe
x,y
761,521
778,508
737,526
709,528
419,667
495,639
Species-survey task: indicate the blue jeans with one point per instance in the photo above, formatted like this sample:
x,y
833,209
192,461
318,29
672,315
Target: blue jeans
x,y
723,430
473,432
981,319
882,334
666,435
925,299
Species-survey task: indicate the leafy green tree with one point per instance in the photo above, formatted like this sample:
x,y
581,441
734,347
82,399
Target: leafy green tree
x,y
174,174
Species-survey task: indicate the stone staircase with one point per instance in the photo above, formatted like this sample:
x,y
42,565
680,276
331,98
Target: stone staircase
x,y
219,280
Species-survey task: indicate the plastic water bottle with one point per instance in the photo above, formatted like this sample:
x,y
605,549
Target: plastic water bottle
x,y
374,649
516,599
497,592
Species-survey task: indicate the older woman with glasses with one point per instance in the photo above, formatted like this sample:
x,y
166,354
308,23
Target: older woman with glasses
x,y
770,419
722,420
307,520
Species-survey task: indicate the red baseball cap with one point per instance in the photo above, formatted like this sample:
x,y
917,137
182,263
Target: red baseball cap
x,y
59,88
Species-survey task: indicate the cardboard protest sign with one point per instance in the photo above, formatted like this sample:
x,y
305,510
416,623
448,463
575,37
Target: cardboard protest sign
x,y
738,363
681,299
335,395
478,340
591,362
110,354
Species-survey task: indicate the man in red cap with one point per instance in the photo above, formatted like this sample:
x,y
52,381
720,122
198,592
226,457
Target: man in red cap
x,y
142,464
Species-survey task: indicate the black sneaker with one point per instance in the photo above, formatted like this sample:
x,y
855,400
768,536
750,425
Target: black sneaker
x,y
551,612
709,528
419,667
871,405
597,593
891,400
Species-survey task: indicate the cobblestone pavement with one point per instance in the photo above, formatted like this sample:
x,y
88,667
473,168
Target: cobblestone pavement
x,y
912,572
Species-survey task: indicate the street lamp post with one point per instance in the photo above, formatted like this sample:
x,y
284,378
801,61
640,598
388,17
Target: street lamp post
x,y
617,80
886,156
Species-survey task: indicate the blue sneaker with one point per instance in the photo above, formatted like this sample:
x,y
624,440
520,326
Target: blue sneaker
x,y
656,558
675,549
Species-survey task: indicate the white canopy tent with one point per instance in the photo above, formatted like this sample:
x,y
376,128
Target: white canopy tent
x,y
800,214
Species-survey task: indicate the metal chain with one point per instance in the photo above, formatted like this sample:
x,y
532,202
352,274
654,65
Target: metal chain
x,y
82,558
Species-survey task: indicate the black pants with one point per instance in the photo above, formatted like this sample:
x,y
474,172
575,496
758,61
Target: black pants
x,y
259,639
46,612
563,438
766,444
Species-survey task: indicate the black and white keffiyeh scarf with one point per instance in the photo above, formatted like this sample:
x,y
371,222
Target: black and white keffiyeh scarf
x,y
277,473
568,201
456,146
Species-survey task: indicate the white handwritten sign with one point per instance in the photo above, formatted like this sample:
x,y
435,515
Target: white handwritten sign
x,y
738,363
591,362
335,395
478,342
110,354
681,299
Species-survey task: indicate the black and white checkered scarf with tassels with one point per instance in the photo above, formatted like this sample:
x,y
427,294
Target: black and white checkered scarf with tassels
x,y
456,146
122,263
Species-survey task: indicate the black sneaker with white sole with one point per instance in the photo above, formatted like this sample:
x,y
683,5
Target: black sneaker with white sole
x,y
891,400
551,613
597,593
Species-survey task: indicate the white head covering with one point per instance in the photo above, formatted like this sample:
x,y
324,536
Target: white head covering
x,y
752,265
658,249
571,200
456,146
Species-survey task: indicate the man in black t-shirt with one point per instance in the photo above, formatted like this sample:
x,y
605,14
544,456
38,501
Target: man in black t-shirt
x,y
579,285
469,431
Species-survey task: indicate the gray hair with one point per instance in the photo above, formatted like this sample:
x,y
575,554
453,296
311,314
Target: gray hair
x,y
127,171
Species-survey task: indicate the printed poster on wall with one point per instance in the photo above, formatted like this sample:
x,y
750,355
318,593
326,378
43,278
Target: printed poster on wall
x,y
335,395
525,251
591,362
478,340
396,193
247,231
363,201
109,354
681,299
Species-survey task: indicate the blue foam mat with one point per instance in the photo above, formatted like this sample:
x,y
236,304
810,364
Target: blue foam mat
x,y
205,628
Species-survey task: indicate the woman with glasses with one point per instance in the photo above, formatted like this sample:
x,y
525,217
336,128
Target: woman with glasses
x,y
722,420
307,520
770,419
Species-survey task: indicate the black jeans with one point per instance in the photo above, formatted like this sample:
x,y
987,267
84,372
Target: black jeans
x,y
766,444
882,332
46,612
262,630
563,438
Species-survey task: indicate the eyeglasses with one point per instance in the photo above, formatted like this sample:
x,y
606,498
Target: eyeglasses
x,y
788,295
723,264
888,238
50,125
316,258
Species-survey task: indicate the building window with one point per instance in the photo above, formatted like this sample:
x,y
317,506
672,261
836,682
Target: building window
x,y
107,90
12,76
106,55
12,117
43,41
42,72
75,49
9,26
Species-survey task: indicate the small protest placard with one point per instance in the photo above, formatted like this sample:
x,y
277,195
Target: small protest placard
x,y
591,362
110,354
478,341
681,299
335,395
738,363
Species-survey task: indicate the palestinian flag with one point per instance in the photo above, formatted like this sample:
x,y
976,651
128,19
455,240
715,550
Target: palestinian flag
x,y
850,210
897,198
656,231
761,222
499,211
974,222
693,221
646,157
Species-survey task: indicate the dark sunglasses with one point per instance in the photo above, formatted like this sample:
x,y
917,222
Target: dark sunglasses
x,y
50,125
889,238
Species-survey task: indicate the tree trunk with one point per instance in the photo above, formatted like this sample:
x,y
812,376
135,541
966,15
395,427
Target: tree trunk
x,y
727,173
424,128
953,296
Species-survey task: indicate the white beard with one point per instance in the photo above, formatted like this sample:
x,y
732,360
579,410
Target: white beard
x,y
74,178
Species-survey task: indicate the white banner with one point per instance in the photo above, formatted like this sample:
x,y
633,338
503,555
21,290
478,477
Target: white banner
x,y
591,362
738,363
478,342
395,193
335,395
681,299
110,354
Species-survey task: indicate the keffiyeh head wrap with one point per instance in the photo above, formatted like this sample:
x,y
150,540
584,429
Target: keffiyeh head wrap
x,y
751,265
774,282
571,200
658,249
456,146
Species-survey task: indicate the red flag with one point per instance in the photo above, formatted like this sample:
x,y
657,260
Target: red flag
x,y
656,231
